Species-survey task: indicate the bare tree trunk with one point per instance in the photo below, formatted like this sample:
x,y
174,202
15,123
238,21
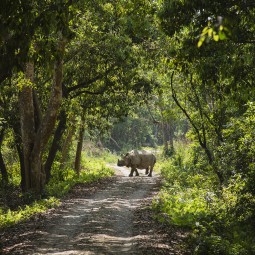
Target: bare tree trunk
x,y
77,164
45,130
170,127
115,142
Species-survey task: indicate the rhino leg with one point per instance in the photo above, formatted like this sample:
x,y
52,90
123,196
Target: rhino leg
x,y
133,169
151,168
132,172
147,170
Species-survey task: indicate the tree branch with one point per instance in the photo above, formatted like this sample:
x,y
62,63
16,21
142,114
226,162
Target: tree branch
x,y
149,110
85,84
99,92
184,111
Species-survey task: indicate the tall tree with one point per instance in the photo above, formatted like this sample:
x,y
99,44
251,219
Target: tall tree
x,y
36,124
211,83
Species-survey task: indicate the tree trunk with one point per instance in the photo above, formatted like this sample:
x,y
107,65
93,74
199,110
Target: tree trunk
x,y
35,138
201,134
3,170
2,164
22,168
66,146
171,137
77,164
164,137
17,137
45,130
55,146
27,123
167,135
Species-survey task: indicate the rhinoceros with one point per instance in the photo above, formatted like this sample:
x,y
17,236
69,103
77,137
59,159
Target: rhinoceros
x,y
138,159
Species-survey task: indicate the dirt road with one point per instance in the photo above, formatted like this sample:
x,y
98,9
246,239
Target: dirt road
x,y
111,219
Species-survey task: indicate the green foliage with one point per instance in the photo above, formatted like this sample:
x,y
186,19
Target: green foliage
x,y
62,181
97,154
185,189
209,33
9,217
239,149
222,219
134,132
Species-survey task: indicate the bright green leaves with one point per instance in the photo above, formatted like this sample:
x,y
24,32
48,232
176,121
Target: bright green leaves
x,y
210,33
21,81
10,218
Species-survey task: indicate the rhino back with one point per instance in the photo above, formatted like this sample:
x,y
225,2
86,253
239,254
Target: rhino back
x,y
142,159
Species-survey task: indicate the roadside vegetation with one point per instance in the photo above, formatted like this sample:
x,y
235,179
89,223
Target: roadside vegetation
x,y
219,218
16,206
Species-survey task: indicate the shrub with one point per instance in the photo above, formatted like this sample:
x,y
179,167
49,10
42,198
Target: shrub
x,y
8,218
221,219
63,180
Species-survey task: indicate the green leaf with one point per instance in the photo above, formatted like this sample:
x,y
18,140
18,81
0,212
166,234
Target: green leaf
x,y
216,37
222,35
200,42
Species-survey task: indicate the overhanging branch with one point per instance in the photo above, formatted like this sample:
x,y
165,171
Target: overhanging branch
x,y
184,111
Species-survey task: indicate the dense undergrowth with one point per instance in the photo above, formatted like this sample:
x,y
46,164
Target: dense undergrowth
x,y
16,207
221,218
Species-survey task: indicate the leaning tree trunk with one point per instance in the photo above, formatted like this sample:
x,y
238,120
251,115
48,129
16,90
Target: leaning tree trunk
x,y
77,164
55,146
35,134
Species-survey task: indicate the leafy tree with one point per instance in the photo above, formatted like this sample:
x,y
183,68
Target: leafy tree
x,y
86,51
211,75
206,81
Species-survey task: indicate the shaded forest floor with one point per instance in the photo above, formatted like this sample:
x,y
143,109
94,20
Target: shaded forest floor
x,y
112,216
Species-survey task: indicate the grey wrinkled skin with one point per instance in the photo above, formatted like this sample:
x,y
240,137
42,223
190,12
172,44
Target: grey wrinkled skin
x,y
138,160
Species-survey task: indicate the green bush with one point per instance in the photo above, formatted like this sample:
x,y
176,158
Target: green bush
x,y
221,219
8,218
63,180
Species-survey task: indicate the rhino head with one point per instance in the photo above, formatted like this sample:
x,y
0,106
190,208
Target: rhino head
x,y
124,161
121,162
